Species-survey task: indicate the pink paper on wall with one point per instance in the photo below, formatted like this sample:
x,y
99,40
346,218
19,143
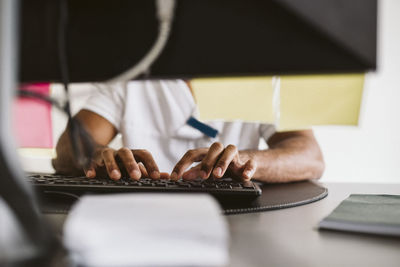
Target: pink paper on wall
x,y
32,119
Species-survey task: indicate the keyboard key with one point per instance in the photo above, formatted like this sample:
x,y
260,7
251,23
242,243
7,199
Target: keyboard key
x,y
247,185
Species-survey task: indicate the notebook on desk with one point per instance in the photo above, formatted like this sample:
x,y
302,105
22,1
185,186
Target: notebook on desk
x,y
370,214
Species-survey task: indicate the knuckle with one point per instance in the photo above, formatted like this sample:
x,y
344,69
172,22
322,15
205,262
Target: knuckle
x,y
124,151
232,148
143,151
106,151
179,164
177,169
190,153
217,145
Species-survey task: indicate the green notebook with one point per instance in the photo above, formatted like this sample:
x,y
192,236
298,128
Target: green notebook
x,y
374,214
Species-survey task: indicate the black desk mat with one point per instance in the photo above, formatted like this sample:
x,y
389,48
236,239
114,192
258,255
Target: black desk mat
x,y
274,196
278,196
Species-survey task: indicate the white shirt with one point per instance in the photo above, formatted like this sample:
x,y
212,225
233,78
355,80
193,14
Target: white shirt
x,y
152,115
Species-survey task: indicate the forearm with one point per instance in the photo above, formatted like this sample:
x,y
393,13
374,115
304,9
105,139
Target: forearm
x,y
101,132
64,163
294,159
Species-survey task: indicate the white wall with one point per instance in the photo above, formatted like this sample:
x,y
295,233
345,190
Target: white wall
x,y
371,151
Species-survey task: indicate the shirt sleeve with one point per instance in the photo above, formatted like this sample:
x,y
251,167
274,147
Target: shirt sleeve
x,y
108,102
266,131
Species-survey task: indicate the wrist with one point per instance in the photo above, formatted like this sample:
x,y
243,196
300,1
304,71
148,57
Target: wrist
x,y
264,160
256,155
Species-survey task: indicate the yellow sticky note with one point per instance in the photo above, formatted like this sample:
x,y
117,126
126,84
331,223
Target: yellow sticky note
x,y
247,99
308,100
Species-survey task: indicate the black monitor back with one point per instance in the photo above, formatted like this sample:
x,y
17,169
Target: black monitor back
x,y
208,38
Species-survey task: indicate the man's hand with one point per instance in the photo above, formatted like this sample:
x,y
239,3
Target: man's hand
x,y
138,163
215,162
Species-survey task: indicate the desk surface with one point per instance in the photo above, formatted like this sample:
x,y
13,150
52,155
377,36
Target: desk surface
x,y
289,237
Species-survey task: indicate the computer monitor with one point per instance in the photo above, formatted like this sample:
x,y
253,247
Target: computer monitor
x,y
208,38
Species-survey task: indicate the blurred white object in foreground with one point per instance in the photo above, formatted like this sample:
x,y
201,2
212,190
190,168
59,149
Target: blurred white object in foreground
x,y
147,230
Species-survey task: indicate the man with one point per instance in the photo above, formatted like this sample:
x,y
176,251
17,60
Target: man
x,y
152,116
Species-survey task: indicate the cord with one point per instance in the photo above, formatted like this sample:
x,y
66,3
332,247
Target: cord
x,y
30,94
81,142
62,46
165,15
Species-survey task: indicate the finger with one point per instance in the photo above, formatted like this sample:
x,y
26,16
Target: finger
x,y
164,175
147,159
209,161
130,163
90,172
249,169
143,170
188,159
111,165
226,158
97,161
193,173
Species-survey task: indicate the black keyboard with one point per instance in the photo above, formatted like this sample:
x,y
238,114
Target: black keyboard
x,y
80,185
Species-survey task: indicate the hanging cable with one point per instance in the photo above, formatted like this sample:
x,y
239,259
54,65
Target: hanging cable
x,y
30,94
165,15
81,142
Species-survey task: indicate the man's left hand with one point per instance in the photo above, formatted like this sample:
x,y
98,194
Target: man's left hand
x,y
216,161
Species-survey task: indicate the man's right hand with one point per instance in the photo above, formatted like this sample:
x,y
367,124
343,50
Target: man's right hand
x,y
138,163
106,161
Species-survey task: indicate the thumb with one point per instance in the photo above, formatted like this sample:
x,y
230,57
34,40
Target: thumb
x,y
249,169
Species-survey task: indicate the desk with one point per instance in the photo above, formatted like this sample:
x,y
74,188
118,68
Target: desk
x,y
289,237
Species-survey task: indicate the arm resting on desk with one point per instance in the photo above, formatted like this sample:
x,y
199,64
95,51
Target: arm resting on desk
x,y
292,156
